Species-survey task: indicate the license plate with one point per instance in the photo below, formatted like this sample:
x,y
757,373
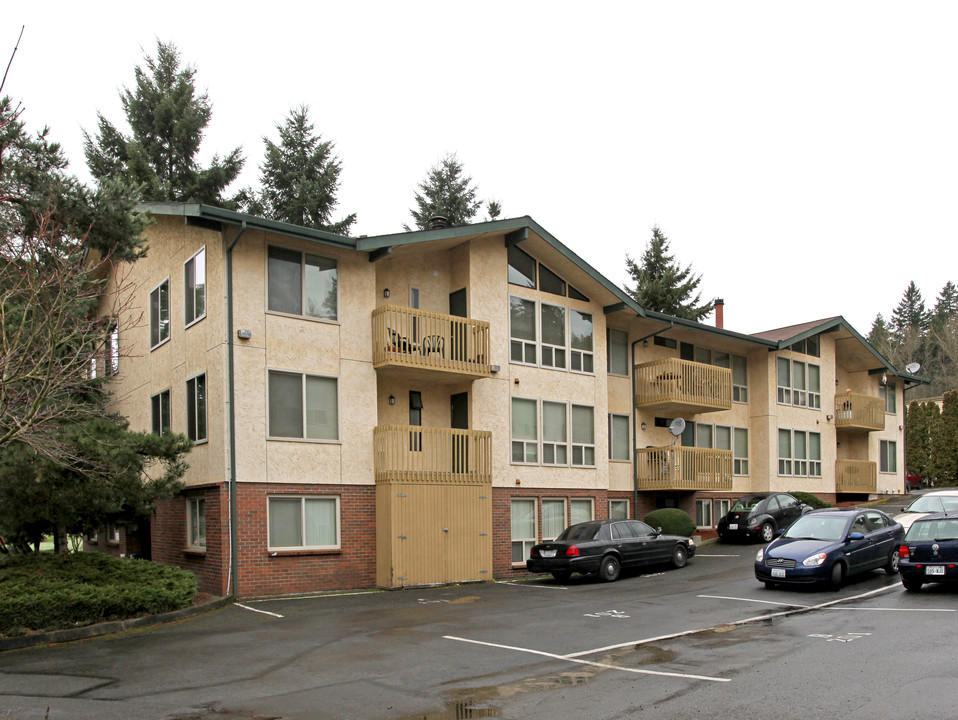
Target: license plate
x,y
934,569
733,526
547,553
778,572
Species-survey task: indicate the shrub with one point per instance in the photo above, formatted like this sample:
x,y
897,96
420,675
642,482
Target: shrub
x,y
672,521
809,499
39,593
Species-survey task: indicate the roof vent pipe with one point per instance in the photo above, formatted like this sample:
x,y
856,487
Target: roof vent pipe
x,y
438,222
719,312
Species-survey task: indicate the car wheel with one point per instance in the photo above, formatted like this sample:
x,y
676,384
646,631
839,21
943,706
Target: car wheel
x,y
912,585
609,570
769,585
562,575
837,577
768,532
680,556
891,567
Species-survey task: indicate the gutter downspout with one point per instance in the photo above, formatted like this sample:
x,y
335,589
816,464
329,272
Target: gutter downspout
x,y
233,583
635,432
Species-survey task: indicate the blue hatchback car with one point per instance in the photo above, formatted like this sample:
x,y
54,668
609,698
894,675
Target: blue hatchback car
x,y
827,546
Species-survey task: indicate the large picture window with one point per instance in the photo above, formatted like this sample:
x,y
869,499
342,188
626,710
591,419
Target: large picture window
x,y
583,435
555,434
302,284
525,438
194,284
305,522
303,406
522,330
160,314
580,339
799,383
196,408
553,518
523,529
552,328
799,453
618,509
581,510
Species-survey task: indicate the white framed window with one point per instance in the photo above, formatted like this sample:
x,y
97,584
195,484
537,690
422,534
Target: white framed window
x,y
581,333
555,433
308,522
887,393
618,352
703,513
302,284
303,406
552,329
525,431
581,510
553,518
583,435
522,268
784,373
814,454
722,506
704,435
160,412
814,387
160,314
889,457
196,522
619,437
522,330
800,453
784,452
798,383
740,452
523,528
723,437
618,509
194,285
739,379
196,408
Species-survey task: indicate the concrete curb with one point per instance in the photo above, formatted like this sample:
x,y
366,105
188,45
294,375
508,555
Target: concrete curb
x,y
107,628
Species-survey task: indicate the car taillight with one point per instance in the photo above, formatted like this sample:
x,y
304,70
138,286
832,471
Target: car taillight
x,y
903,552
572,550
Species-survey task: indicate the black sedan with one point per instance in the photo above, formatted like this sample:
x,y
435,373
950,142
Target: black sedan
x,y
929,552
760,516
604,547
826,546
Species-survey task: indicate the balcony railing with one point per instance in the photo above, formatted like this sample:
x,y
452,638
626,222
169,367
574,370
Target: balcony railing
x,y
856,476
854,411
409,453
684,468
406,337
683,386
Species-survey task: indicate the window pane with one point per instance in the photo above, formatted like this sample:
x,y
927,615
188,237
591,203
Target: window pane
x,y
284,277
321,282
619,437
522,314
741,443
285,522
191,409
553,325
814,446
285,405
739,370
550,282
618,509
703,435
581,511
580,328
784,376
522,268
322,409
553,518
798,375
784,443
321,522
799,446
583,425
723,437
618,352
554,422
523,419
523,519
195,280
814,378
721,359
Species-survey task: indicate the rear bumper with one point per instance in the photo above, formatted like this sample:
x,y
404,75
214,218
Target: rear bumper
x,y
576,564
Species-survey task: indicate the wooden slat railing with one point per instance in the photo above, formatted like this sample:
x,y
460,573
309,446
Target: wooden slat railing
x,y
855,411
684,468
409,453
415,338
856,476
682,381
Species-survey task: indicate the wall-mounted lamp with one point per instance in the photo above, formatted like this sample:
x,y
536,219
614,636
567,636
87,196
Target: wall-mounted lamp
x,y
643,426
516,381
645,343
386,293
829,417
392,399
518,481
901,427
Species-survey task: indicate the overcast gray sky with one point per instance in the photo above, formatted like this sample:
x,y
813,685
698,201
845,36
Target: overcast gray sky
x,y
800,156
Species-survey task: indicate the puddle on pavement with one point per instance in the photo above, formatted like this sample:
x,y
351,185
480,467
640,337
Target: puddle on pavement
x,y
459,710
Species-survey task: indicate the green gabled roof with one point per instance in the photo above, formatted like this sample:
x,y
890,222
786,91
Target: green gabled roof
x,y
693,325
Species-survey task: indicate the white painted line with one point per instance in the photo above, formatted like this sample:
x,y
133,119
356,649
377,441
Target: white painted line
x,y
892,609
764,602
569,658
315,596
711,555
256,611
532,585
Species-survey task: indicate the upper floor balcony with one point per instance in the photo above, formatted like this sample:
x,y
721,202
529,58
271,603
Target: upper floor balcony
x,y
430,342
684,468
411,453
674,386
856,476
858,412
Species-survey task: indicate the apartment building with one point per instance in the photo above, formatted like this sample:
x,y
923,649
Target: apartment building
x,y
423,407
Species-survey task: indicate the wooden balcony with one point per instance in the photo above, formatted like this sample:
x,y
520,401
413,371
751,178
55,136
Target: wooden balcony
x,y
856,476
678,387
430,342
408,453
859,413
684,468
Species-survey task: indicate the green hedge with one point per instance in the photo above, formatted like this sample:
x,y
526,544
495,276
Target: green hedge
x,y
39,593
809,499
672,521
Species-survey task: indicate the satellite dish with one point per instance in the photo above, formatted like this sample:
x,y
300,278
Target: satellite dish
x,y
677,426
912,368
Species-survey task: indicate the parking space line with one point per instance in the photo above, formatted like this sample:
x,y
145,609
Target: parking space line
x,y
893,609
569,658
752,600
532,585
315,596
264,612
703,555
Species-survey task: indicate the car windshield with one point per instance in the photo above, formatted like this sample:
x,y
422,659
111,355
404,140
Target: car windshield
x,y
589,531
817,527
940,530
747,503
933,503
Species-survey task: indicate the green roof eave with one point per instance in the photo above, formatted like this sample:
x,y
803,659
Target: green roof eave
x,y
252,222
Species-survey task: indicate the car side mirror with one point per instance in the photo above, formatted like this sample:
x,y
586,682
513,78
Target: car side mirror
x,y
856,536
657,532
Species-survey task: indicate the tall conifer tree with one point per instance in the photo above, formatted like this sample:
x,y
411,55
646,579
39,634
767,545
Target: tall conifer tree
x,y
661,284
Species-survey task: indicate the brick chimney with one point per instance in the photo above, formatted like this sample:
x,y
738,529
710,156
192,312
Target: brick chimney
x,y
719,312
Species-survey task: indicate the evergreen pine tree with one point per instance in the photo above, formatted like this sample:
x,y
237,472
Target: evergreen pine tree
x,y
448,193
918,437
167,120
300,177
878,336
944,443
910,315
664,286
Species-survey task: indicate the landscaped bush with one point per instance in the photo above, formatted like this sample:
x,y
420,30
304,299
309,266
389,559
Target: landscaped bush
x,y
672,521
53,592
809,499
